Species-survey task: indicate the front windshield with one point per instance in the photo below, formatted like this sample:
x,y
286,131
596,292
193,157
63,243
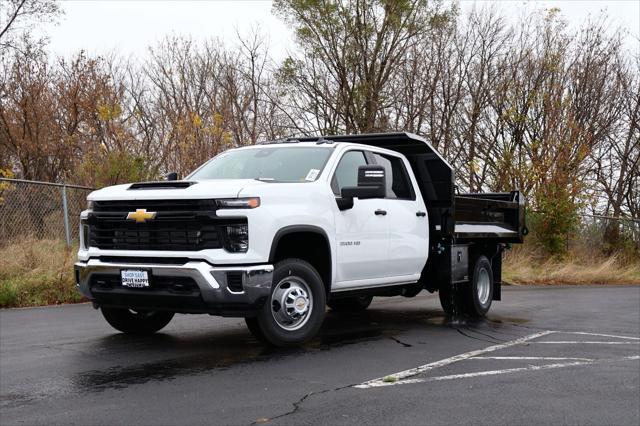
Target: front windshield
x,y
272,164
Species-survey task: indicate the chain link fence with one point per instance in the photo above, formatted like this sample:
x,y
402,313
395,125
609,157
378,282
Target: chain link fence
x,y
43,210
40,210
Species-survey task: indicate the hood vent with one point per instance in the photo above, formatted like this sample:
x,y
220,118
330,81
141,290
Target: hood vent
x,y
170,184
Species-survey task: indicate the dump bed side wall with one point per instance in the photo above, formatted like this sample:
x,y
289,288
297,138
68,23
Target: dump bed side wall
x,y
498,217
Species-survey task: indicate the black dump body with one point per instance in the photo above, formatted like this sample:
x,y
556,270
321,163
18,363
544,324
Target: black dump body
x,y
462,226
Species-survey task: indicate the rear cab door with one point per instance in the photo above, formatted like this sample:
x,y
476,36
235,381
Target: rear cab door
x,y
408,244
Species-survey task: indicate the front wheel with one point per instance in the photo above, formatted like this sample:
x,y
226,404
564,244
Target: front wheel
x,y
136,322
295,311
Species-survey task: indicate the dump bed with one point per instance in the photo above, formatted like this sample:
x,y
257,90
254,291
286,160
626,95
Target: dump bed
x,y
454,218
495,216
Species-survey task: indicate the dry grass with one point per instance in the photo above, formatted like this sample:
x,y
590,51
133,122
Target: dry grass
x,y
523,266
37,272
40,272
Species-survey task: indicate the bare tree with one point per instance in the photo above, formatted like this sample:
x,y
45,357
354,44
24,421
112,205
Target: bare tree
x,y
533,105
350,51
18,17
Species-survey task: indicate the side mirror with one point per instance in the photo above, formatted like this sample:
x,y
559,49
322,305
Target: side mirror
x,y
171,176
371,184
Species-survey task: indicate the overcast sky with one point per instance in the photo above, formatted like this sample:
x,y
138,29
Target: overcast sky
x,y
130,26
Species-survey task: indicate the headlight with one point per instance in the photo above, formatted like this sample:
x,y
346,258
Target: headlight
x,y
237,238
239,203
89,205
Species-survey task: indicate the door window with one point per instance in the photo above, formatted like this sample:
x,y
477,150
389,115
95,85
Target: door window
x,y
346,173
398,184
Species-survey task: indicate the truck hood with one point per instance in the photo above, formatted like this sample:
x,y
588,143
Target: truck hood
x,y
193,189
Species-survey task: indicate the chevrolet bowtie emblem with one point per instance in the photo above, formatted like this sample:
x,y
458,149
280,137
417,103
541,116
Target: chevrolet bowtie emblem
x,y
141,215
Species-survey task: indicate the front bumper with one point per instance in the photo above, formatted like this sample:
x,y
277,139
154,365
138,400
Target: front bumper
x,y
218,290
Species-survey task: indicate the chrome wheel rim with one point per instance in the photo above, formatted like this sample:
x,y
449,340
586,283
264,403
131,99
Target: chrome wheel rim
x,y
291,303
483,287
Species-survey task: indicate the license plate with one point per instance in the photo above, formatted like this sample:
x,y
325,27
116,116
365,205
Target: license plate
x,y
134,279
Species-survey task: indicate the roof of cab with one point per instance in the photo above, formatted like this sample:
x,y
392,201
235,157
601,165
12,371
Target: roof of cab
x,y
405,143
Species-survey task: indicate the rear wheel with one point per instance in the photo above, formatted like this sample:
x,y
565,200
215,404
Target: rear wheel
x,y
136,322
480,293
350,304
474,298
295,311
445,295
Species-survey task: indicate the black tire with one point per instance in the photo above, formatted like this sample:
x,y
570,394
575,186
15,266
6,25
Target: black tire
x,y
136,322
350,304
480,293
291,272
469,300
445,299
254,328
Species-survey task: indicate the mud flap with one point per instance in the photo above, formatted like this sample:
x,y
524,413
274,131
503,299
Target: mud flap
x,y
496,267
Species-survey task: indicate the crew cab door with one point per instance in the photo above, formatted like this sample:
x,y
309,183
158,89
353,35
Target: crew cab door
x,y
361,231
407,218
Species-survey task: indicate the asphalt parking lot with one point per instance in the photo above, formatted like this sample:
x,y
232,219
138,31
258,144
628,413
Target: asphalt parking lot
x,y
544,355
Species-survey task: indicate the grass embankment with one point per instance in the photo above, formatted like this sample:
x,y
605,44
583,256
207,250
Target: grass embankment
x,y
40,272
36,273
523,266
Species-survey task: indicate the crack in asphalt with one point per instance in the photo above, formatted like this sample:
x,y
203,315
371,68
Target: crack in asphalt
x,y
406,345
297,404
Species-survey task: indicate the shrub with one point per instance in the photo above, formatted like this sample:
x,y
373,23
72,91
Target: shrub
x,y
37,272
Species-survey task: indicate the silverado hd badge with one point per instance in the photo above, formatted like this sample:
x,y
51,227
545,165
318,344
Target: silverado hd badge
x,y
141,215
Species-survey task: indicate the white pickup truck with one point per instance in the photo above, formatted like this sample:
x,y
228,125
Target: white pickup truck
x,y
276,232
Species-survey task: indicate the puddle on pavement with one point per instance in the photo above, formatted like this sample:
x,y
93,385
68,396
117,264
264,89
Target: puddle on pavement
x,y
497,319
193,354
222,351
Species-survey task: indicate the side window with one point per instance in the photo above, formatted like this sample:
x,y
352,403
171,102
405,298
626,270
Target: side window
x,y
346,173
398,184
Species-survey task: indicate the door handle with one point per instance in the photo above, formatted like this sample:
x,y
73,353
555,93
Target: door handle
x,y
381,212
421,214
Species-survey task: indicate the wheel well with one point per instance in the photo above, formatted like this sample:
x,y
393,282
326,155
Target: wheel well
x,y
306,245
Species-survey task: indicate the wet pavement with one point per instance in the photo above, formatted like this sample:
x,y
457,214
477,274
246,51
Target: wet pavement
x,y
544,355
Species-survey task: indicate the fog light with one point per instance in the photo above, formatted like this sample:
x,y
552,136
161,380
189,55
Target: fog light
x,y
85,236
238,238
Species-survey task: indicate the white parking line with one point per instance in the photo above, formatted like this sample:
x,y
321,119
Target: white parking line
x,y
531,358
578,342
514,370
600,335
402,375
